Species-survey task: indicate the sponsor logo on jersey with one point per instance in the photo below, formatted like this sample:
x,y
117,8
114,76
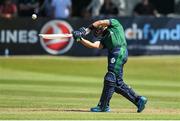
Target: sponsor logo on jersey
x,y
113,60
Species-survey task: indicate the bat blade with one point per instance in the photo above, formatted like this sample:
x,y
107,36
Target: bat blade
x,y
55,36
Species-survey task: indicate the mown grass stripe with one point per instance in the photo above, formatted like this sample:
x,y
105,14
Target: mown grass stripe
x,y
29,85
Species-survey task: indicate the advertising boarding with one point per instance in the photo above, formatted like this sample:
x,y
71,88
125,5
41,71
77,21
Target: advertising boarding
x,y
144,35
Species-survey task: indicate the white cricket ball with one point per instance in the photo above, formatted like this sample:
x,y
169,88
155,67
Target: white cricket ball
x,y
34,16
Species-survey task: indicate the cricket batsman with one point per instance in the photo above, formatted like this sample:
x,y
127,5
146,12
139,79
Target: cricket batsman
x,y
112,37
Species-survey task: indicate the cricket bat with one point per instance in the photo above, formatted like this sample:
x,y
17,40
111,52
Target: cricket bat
x,y
60,36
55,36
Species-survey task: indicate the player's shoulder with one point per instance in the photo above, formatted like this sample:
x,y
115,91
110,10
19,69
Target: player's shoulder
x,y
114,22
113,19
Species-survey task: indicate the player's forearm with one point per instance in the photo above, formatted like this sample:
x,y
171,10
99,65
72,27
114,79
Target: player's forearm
x,y
103,23
89,44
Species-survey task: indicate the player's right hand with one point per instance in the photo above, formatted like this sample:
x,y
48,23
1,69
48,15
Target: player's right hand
x,y
83,31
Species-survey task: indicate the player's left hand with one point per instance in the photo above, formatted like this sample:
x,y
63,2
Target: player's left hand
x,y
77,35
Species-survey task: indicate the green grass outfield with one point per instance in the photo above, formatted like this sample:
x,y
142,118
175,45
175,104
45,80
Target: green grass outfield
x,y
65,88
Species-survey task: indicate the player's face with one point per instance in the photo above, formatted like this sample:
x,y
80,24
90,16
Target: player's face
x,y
99,31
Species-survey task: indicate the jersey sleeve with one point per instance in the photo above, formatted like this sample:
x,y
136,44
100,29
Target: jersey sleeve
x,y
103,44
114,23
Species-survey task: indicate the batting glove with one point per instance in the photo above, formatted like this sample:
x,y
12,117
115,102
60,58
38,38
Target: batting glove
x,y
77,35
84,31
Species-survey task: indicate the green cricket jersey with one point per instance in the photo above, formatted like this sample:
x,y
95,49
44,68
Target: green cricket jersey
x,y
114,40
115,36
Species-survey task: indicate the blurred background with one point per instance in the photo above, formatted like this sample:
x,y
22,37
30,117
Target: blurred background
x,y
151,26
89,8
